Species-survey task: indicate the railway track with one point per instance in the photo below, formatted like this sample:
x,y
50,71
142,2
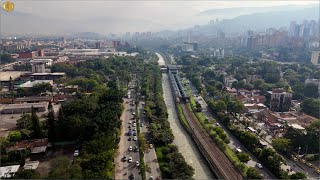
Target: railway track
x,y
217,157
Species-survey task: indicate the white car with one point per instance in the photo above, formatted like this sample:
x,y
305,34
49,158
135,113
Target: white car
x,y
130,148
130,159
135,138
151,178
137,163
151,146
76,153
134,124
259,165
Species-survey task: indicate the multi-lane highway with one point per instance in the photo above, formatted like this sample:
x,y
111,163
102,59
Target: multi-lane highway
x,y
123,166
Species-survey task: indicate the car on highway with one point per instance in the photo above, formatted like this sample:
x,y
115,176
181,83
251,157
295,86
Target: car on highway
x,y
309,164
259,165
130,159
303,161
130,148
137,163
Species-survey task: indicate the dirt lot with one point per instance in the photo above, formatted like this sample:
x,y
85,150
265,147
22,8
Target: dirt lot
x,y
44,166
8,121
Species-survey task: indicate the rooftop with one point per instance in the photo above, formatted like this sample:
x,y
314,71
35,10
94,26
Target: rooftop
x,y
31,165
46,74
6,171
30,84
25,105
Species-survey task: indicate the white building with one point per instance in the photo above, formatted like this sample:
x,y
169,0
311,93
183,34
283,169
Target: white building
x,y
8,171
315,57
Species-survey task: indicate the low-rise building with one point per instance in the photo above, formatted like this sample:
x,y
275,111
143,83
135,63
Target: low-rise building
x,y
22,108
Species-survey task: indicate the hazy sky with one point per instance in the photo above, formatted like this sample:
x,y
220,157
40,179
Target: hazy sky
x,y
137,8
165,13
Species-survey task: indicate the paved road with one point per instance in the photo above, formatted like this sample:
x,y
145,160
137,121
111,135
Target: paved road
x,y
150,156
123,168
234,143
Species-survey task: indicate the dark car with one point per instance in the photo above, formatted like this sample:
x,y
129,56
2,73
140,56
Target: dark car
x,y
131,176
129,139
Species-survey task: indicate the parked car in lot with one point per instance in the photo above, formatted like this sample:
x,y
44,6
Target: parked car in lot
x,y
129,139
135,138
134,124
130,148
124,158
136,149
130,159
151,146
141,124
137,163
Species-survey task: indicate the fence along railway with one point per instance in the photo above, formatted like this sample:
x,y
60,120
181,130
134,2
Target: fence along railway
x,y
217,160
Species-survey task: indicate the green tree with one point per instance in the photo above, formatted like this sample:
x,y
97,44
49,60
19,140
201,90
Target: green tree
x,y
14,136
281,144
27,174
51,123
298,175
243,157
61,168
36,128
311,107
311,91
24,122
252,173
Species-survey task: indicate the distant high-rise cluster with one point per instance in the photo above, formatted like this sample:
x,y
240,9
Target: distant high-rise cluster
x,y
305,30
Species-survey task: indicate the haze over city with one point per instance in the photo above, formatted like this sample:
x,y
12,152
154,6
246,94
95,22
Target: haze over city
x,y
155,90
130,16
